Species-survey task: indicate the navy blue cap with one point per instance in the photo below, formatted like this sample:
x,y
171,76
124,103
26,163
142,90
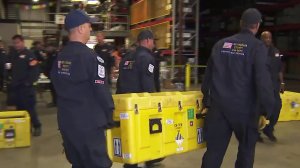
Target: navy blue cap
x,y
76,18
145,34
251,16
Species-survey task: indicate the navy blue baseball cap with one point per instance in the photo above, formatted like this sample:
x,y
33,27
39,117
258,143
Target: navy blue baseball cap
x,y
251,16
76,18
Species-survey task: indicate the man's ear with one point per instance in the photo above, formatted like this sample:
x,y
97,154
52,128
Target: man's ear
x,y
80,29
258,25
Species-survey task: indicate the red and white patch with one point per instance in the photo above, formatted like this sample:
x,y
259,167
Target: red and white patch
x,y
99,81
227,45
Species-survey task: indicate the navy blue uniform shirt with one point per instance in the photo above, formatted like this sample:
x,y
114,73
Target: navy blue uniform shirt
x,y
237,76
136,72
22,72
84,99
275,66
2,61
38,54
105,51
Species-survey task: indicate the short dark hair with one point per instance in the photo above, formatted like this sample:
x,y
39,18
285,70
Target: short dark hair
x,y
144,35
35,43
18,36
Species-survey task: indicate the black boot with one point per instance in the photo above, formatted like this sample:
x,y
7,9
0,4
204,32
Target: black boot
x,y
260,139
271,136
37,131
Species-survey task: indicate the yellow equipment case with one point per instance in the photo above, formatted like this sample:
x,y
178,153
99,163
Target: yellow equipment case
x,y
290,110
155,125
14,129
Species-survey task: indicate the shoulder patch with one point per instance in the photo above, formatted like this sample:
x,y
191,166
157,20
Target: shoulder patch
x,y
101,71
151,68
100,59
22,56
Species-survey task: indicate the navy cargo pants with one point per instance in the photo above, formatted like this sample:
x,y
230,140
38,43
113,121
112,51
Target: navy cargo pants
x,y
218,129
275,115
86,149
25,99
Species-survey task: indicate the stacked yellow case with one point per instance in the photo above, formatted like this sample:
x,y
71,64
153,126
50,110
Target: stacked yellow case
x,y
155,125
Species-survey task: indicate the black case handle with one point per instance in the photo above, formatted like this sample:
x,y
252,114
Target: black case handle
x,y
152,123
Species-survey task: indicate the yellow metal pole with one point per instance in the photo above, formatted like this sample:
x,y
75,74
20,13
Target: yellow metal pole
x,y
187,76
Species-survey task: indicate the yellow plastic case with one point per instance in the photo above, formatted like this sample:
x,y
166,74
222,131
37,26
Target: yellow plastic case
x,y
14,129
154,126
290,110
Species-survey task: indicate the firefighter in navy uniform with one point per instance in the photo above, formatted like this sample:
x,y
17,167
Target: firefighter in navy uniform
x,y
137,68
85,105
51,53
277,81
136,74
235,82
105,51
3,58
158,58
25,72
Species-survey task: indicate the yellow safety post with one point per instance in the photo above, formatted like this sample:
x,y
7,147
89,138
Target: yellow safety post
x,y
187,76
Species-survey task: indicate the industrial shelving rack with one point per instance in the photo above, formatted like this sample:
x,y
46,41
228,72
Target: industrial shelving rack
x,y
175,24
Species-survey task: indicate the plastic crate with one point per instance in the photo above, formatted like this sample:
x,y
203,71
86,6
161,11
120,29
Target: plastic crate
x,y
290,110
155,125
14,129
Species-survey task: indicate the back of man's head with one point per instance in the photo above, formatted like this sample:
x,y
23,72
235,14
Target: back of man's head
x,y
146,38
144,35
18,37
250,18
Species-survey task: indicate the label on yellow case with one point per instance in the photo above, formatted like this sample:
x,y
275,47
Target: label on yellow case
x,y
169,121
191,115
127,156
294,105
179,149
179,139
200,135
124,116
117,147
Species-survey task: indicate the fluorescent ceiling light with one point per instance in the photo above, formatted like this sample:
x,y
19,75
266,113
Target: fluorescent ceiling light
x,y
93,2
90,2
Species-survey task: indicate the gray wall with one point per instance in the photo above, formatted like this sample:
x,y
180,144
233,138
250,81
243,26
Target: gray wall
x,y
2,10
7,30
36,14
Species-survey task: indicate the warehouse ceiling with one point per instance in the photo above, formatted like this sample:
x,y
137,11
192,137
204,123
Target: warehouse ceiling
x,y
27,1
228,4
204,4
42,1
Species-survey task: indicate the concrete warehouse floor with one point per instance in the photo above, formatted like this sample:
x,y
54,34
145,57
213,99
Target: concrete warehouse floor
x,y
46,151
